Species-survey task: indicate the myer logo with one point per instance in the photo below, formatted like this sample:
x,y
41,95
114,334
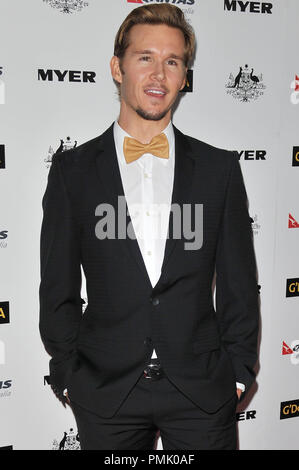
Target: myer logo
x,y
250,7
245,415
292,289
52,75
252,154
4,312
289,409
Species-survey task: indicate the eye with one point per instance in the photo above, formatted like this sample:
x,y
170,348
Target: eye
x,y
172,62
145,58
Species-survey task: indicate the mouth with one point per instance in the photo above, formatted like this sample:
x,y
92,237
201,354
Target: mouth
x,y
155,92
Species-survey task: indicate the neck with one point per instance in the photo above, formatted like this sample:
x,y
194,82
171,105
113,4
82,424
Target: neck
x,y
142,129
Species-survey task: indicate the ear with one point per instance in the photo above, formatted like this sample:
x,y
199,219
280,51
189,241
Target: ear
x,y
115,69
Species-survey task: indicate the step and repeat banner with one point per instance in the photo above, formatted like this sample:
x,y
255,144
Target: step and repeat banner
x,y
56,92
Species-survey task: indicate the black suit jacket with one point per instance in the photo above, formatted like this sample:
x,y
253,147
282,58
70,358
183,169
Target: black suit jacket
x,y
100,355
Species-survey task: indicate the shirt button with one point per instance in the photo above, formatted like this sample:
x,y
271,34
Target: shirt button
x,y
149,253
147,213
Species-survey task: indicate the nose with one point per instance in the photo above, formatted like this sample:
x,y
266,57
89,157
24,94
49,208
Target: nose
x,y
158,71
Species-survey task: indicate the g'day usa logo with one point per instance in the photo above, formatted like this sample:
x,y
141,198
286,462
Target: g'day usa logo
x,y
295,161
292,287
289,409
4,312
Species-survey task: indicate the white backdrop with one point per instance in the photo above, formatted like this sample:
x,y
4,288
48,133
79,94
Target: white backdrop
x,y
259,119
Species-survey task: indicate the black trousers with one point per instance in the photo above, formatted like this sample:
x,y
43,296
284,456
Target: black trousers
x,y
155,408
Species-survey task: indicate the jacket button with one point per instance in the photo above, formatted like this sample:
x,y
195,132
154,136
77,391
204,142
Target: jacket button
x,y
155,301
147,341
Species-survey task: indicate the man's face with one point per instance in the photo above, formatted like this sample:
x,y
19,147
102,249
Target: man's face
x,y
153,70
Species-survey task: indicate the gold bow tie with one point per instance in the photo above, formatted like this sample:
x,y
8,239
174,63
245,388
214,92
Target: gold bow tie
x,y
133,149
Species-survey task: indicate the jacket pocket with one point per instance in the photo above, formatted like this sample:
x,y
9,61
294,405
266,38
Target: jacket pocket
x,y
205,346
207,339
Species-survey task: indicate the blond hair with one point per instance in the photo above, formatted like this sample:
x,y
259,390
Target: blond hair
x,y
155,14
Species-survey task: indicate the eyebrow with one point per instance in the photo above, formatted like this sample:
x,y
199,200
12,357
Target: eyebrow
x,y
148,51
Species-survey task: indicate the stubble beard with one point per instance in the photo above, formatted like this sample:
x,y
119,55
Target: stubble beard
x,y
145,114
151,116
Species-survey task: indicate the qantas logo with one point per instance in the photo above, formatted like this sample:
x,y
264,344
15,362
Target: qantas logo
x,y
286,349
293,222
177,2
292,350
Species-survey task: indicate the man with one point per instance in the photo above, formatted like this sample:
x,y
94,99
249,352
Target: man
x,y
150,352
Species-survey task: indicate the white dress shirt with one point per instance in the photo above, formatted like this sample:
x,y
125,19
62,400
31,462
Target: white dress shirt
x,y
147,184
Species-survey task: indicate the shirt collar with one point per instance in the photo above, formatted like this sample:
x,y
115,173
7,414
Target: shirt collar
x,y
120,134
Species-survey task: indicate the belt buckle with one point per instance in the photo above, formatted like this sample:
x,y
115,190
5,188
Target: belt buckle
x,y
153,371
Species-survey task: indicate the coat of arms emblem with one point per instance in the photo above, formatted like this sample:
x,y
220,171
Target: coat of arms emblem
x,y
70,441
67,6
246,85
66,144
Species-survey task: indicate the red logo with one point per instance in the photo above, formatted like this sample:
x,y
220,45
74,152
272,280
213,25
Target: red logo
x,y
140,1
286,349
292,222
296,83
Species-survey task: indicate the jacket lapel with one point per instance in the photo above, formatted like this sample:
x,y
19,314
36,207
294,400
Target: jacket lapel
x,y
182,187
109,174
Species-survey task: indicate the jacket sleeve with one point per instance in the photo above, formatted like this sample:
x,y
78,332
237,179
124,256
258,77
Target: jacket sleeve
x,y
60,284
237,303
